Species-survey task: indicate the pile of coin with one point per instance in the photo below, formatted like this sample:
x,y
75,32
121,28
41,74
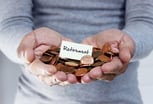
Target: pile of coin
x,y
80,67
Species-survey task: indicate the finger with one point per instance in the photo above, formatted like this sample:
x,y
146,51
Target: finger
x,y
114,46
108,77
49,80
41,49
49,37
25,49
27,55
39,68
125,54
86,40
71,78
113,67
95,73
64,83
61,76
126,48
86,78
90,41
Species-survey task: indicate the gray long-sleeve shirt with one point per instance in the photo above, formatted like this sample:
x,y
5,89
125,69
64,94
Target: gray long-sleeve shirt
x,y
78,19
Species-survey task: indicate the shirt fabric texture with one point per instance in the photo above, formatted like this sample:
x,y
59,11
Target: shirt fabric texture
x,y
77,19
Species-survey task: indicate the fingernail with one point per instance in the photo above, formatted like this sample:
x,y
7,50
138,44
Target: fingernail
x,y
64,83
83,82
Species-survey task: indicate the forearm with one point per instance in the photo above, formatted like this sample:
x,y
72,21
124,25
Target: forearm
x,y
10,40
139,26
15,22
142,37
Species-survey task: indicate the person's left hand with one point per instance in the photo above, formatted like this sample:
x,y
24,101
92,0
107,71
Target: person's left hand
x,y
121,43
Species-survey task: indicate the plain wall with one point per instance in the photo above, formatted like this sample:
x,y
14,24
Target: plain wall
x,y
145,76
9,73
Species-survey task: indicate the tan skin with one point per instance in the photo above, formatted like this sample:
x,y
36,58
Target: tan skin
x,y
37,42
121,43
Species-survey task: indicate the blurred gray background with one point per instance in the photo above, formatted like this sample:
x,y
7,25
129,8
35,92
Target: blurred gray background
x,y
9,73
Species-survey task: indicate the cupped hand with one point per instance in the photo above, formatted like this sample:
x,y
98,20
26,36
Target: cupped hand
x,y
33,45
120,43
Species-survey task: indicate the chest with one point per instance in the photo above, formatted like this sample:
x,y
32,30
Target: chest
x,y
78,5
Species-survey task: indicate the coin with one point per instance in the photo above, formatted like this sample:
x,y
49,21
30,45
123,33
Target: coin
x,y
64,68
87,60
98,63
106,47
81,72
71,63
80,67
54,60
104,58
96,53
46,59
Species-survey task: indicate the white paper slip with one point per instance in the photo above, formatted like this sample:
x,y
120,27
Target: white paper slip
x,y
74,50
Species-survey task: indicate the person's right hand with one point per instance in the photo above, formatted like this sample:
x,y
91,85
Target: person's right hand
x,y
33,45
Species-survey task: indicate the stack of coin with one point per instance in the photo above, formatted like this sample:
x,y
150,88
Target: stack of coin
x,y
79,67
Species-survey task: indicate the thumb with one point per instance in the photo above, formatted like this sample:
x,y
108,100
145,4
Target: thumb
x,y
90,41
126,47
25,50
125,55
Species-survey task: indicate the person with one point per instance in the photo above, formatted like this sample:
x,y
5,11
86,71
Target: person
x,y
30,27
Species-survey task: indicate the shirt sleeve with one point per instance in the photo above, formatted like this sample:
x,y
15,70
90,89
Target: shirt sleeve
x,y
139,26
15,22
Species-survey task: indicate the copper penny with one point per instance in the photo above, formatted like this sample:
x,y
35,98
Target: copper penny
x,y
71,63
98,63
54,60
104,58
96,53
80,67
87,60
64,68
81,72
106,48
46,59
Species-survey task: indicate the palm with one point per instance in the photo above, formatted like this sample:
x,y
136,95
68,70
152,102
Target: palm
x,y
33,46
118,65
